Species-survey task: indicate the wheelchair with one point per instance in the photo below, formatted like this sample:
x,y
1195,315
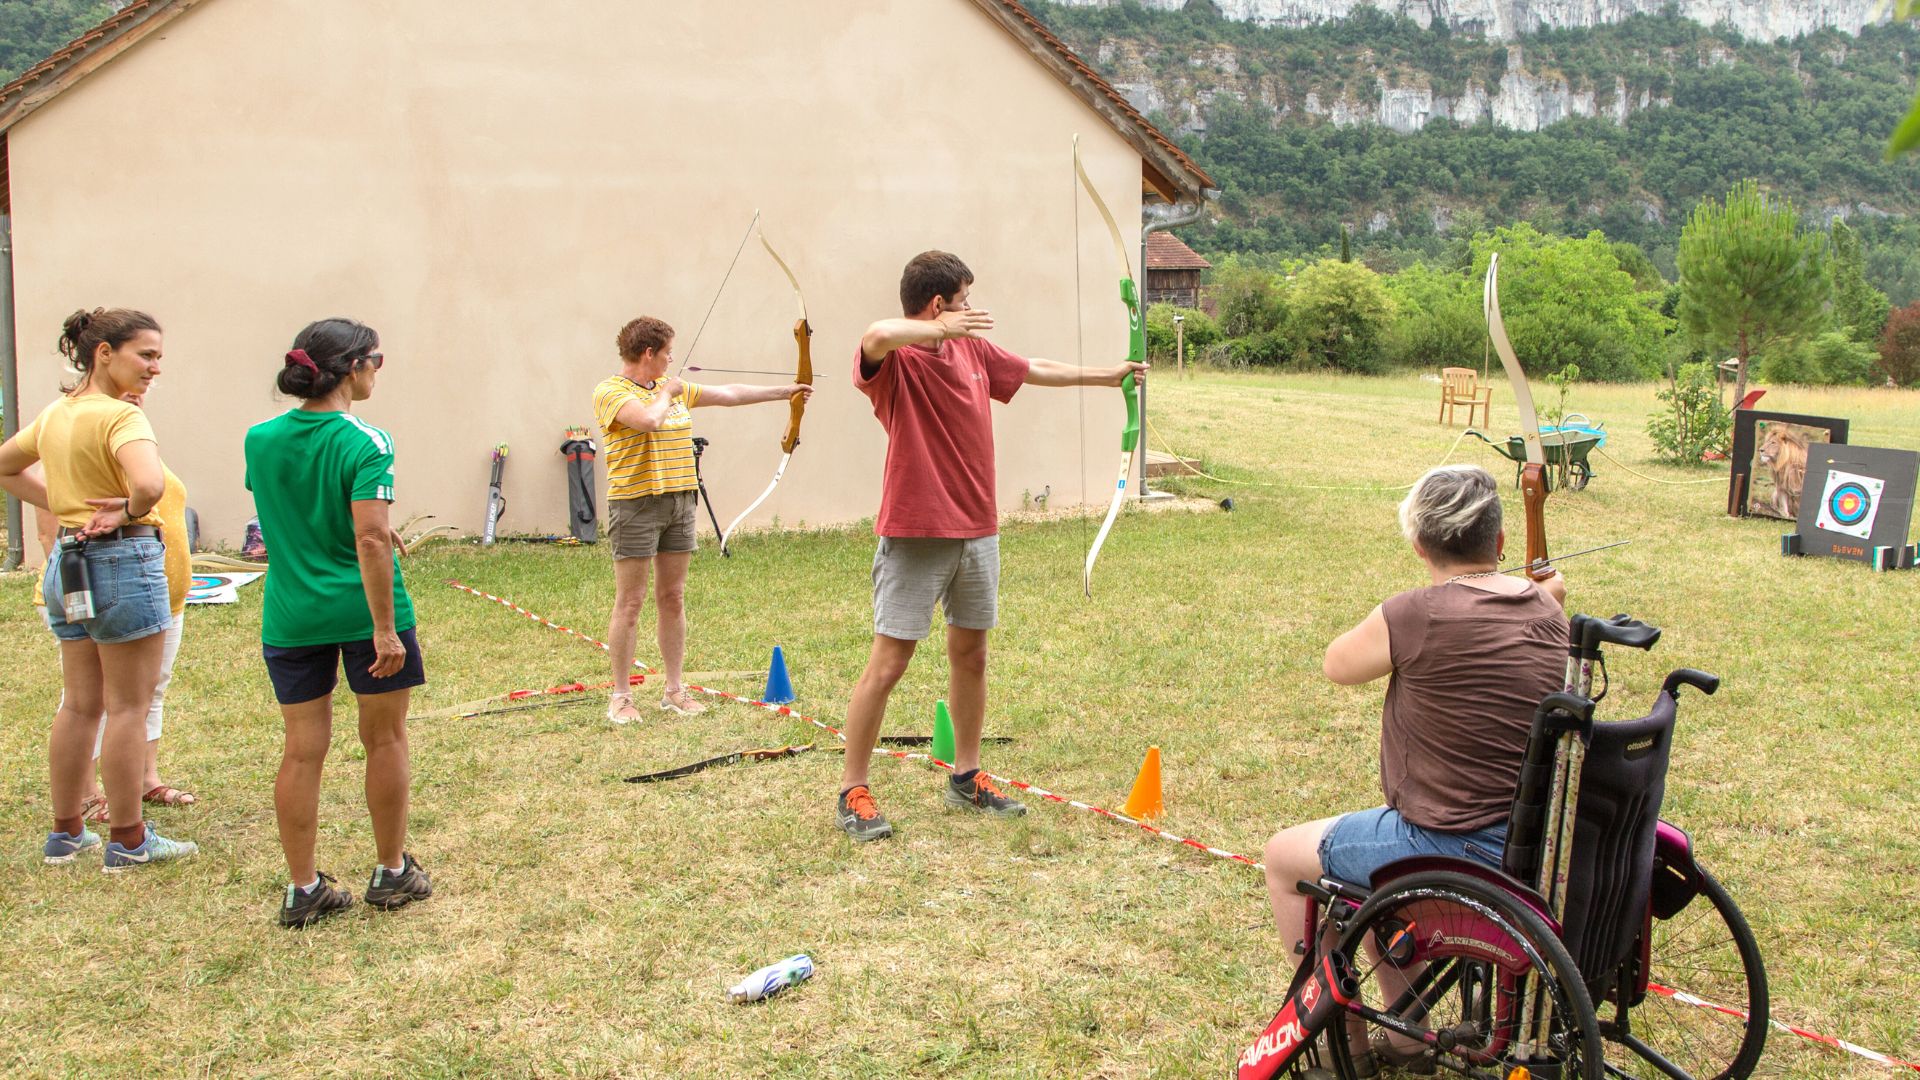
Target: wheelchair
x,y
1591,953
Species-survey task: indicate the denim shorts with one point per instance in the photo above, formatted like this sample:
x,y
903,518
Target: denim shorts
x,y
912,573
1357,844
129,579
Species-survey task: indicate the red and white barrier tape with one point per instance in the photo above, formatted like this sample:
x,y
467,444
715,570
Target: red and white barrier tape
x,y
781,710
1685,998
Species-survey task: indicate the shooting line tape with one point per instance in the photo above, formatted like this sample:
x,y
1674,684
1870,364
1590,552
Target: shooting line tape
x,y
903,755
781,710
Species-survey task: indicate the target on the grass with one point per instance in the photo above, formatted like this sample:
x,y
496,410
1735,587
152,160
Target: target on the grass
x,y
218,588
1850,503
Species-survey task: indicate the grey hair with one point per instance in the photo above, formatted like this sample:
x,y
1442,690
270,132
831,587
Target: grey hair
x,y
1453,513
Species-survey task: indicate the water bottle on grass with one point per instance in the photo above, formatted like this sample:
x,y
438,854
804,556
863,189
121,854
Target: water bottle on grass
x,y
772,979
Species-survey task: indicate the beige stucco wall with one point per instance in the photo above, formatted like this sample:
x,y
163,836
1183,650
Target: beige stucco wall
x,y
497,186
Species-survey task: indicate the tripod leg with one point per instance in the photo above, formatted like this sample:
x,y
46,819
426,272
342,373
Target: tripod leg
x,y
708,503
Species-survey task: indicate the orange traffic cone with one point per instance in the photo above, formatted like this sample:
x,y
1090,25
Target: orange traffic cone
x,y
1146,802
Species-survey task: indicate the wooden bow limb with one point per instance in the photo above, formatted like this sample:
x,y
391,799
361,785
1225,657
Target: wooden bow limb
x,y
761,754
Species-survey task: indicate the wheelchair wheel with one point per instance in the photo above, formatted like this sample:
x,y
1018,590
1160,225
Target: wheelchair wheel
x,y
1466,968
1708,951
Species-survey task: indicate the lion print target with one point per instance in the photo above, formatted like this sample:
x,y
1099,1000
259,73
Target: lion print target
x,y
1850,503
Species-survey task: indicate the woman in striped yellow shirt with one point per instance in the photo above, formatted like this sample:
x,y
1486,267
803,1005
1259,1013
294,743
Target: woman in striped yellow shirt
x,y
646,419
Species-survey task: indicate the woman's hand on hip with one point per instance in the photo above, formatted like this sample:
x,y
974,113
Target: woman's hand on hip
x,y
389,655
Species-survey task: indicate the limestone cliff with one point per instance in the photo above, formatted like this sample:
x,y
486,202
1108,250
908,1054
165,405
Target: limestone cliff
x,y
1507,19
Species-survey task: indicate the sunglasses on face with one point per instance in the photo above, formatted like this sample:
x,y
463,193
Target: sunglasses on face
x,y
376,359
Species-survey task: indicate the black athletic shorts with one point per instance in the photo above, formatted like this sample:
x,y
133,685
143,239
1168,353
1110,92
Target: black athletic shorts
x,y
305,672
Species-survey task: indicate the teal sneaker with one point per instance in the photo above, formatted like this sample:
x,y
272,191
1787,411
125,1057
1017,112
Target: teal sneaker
x,y
154,849
62,848
303,908
388,890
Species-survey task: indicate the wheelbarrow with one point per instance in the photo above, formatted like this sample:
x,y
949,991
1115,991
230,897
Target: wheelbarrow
x,y
1566,448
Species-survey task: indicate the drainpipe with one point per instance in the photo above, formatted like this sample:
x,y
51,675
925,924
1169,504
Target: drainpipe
x,y
10,392
1155,218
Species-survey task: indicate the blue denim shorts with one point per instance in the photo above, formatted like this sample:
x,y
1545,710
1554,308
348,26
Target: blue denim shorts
x,y
129,579
1359,843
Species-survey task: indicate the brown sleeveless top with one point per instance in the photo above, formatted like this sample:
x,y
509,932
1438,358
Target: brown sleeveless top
x,y
1469,668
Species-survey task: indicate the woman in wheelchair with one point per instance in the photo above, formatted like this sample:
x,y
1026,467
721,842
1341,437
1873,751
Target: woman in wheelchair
x,y
1469,657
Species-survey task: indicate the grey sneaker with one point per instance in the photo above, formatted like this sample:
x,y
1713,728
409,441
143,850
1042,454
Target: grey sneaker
x,y
389,890
303,908
858,815
979,794
154,848
62,848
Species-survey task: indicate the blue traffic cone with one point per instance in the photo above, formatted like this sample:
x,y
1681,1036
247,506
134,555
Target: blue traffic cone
x,y
779,688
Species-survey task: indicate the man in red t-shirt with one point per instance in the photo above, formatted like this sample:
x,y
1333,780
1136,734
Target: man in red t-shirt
x,y
932,379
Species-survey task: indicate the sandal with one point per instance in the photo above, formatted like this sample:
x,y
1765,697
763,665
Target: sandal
x,y
165,795
620,709
93,809
1382,1053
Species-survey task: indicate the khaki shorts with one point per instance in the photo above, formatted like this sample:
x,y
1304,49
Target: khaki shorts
x,y
651,525
912,573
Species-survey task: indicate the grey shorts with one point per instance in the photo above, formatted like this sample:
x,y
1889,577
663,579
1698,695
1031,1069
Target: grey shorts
x,y
912,573
648,526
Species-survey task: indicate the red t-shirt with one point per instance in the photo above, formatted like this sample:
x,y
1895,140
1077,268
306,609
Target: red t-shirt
x,y
936,408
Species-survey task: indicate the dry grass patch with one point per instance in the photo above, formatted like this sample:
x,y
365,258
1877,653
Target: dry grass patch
x,y
583,926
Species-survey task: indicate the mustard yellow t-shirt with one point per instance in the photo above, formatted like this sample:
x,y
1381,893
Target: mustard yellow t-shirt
x,y
75,440
642,463
172,509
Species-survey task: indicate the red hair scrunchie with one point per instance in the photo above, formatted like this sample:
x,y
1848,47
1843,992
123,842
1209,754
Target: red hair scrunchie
x,y
300,358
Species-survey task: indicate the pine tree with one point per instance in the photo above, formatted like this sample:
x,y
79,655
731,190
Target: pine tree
x,y
1859,309
1749,278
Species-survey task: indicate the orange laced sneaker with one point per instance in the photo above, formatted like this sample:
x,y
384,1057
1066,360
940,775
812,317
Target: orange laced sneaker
x,y
980,793
858,815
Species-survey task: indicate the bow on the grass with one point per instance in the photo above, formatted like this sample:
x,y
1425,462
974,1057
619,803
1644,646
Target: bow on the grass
x,y
797,405
1533,475
1136,353
766,754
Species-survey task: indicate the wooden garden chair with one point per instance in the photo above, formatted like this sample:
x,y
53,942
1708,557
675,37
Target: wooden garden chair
x,y
1461,386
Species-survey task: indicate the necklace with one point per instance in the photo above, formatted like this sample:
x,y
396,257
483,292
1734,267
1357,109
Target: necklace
x,y
1475,574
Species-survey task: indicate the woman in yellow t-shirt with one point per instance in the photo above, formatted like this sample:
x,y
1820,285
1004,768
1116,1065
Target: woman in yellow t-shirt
x,y
179,566
104,481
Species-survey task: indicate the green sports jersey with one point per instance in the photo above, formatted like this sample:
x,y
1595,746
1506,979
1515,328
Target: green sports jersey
x,y
305,470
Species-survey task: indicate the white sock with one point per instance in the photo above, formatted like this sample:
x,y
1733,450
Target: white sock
x,y
396,871
308,889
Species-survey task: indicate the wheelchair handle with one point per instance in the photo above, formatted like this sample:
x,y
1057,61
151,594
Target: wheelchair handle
x,y
1589,633
1563,711
1686,676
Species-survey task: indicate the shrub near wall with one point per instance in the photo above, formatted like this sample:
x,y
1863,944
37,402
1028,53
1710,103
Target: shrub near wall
x,y
1900,347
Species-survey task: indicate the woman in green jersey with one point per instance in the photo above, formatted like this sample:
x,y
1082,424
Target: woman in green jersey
x,y
322,482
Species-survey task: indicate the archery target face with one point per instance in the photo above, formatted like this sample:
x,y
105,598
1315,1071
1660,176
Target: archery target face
x,y
1850,503
218,588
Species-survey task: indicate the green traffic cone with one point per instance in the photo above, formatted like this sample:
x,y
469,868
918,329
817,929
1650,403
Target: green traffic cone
x,y
942,732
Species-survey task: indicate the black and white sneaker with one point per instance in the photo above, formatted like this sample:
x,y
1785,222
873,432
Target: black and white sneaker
x,y
303,908
389,890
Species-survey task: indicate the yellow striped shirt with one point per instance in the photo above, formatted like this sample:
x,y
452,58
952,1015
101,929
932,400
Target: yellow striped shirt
x,y
642,463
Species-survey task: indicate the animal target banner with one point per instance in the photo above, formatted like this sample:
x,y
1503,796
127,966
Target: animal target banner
x,y
1769,460
1859,506
218,588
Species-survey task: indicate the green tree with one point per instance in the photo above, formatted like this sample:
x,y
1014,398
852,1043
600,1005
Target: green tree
x,y
1200,331
1749,278
31,30
1437,320
1859,309
1569,302
1246,298
1695,420
1340,310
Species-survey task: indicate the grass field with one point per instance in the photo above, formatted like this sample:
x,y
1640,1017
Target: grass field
x,y
582,926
